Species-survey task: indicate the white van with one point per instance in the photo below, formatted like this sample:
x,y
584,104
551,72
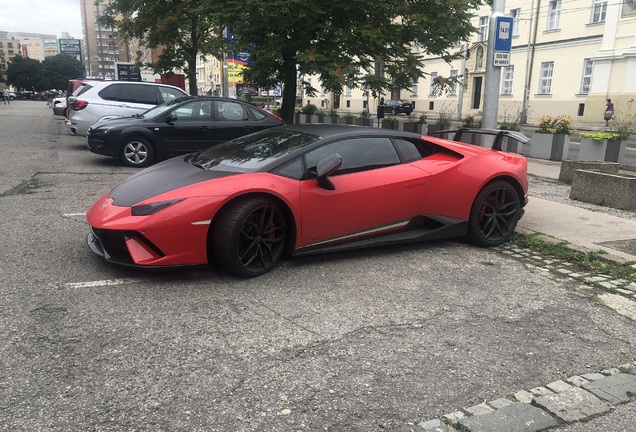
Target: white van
x,y
98,100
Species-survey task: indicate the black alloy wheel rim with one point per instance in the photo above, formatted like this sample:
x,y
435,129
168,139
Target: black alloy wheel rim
x,y
261,239
497,214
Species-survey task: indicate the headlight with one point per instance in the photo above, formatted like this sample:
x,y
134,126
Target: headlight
x,y
150,209
102,130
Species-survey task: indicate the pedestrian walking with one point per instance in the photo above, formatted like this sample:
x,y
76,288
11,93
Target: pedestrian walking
x,y
609,112
6,96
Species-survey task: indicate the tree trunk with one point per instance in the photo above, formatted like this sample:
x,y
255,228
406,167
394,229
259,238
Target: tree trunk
x,y
289,91
192,75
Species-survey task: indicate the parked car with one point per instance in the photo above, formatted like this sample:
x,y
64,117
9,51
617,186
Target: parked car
x,y
181,126
59,106
28,95
397,106
306,189
97,100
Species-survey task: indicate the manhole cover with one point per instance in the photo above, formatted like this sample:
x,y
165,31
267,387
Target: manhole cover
x,y
627,246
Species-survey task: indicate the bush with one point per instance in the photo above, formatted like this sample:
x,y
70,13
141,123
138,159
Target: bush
x,y
557,125
444,118
423,117
471,121
601,136
309,109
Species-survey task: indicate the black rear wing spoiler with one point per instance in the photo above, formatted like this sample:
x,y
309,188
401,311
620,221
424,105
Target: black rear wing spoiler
x,y
499,135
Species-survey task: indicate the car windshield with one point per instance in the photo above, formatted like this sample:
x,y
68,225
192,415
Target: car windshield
x,y
253,152
160,109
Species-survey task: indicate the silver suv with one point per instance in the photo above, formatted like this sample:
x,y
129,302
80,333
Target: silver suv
x,y
98,100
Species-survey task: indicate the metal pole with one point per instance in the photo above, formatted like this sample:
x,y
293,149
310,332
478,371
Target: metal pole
x,y
462,85
225,88
493,74
532,35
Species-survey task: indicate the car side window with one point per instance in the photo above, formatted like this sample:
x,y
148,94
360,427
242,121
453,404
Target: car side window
x,y
195,111
358,154
110,93
169,94
230,111
256,114
144,94
293,170
409,151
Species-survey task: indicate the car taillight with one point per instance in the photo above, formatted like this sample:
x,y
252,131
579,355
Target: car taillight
x,y
80,104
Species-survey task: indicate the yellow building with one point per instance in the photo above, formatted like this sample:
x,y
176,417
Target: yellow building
x,y
567,57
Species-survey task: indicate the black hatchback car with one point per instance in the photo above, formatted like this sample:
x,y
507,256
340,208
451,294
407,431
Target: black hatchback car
x,y
184,125
397,106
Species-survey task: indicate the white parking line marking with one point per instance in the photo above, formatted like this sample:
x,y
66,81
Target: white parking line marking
x,y
74,214
99,283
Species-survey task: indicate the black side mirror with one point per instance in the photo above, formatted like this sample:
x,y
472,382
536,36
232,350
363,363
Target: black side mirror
x,y
171,118
325,168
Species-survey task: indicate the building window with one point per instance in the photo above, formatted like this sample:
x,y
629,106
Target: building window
x,y
483,28
347,91
586,79
506,80
599,9
545,82
431,91
515,14
554,15
629,8
452,88
414,90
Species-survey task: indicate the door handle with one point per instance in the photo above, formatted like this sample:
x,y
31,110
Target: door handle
x,y
205,128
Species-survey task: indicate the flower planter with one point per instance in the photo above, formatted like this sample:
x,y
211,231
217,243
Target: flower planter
x,y
388,124
363,122
550,146
415,127
602,151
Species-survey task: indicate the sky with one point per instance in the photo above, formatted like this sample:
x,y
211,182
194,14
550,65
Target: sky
x,y
41,16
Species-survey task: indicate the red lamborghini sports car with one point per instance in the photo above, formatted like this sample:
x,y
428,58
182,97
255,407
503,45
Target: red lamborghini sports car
x,y
306,189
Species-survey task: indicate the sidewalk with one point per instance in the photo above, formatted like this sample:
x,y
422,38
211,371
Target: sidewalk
x,y
587,229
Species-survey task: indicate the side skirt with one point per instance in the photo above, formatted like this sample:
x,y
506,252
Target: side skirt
x,y
421,228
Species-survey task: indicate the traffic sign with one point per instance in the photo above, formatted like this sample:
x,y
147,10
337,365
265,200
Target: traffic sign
x,y
503,35
501,58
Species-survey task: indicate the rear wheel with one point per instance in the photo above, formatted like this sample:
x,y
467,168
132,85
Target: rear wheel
x,y
249,237
137,152
494,214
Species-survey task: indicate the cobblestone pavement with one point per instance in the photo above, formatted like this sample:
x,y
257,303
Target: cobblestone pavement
x,y
576,399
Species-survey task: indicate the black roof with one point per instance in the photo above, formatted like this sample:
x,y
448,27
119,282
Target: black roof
x,y
328,130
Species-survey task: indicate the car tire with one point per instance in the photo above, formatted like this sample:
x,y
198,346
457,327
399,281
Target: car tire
x,y
137,152
249,237
494,214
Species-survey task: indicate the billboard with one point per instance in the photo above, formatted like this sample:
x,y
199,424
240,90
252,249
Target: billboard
x,y
72,47
127,72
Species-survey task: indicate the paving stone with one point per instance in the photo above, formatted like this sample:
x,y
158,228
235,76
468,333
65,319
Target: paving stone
x,y
607,285
577,380
593,279
435,425
454,417
516,417
500,403
559,386
624,291
540,391
524,396
572,405
480,409
577,275
408,428
610,371
564,271
615,388
593,376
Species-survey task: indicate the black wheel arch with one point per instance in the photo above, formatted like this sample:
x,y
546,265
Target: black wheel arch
x,y
513,182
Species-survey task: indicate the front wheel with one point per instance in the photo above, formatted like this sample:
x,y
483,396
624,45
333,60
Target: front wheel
x,y
249,237
494,214
137,153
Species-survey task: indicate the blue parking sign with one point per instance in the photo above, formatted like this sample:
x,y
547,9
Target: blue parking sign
x,y
503,35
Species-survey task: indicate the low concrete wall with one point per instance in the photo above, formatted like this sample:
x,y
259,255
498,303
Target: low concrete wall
x,y
569,166
611,190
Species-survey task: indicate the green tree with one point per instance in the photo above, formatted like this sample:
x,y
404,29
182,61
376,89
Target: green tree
x,y
61,68
26,74
358,43
179,29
